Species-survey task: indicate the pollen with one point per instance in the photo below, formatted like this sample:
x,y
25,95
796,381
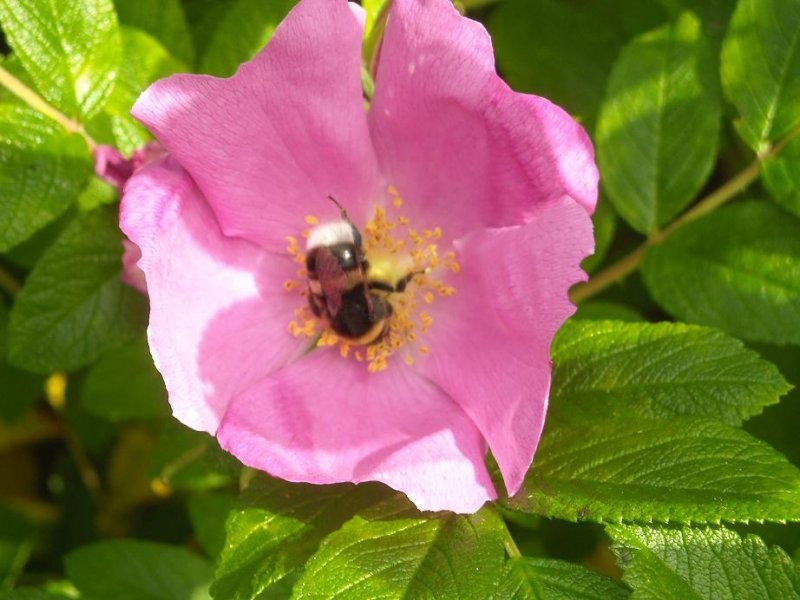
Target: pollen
x,y
410,259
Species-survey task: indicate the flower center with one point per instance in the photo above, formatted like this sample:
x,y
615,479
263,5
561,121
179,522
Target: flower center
x,y
402,267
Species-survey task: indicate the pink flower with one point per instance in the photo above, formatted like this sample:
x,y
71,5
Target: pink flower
x,y
484,192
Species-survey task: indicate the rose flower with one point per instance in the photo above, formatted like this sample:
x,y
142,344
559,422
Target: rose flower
x,y
472,204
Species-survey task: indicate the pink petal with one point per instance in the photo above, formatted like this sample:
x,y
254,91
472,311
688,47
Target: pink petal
x,y
131,274
218,311
489,343
455,140
325,419
269,144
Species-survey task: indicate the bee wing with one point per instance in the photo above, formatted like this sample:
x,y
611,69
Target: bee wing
x,y
332,279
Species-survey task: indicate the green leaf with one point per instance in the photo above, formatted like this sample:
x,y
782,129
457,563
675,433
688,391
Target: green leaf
x,y
73,306
245,27
658,125
137,570
394,552
547,579
542,47
42,171
278,526
695,564
190,460
70,49
146,61
737,269
605,225
610,369
124,385
16,542
761,69
208,513
681,469
30,593
18,389
164,20
602,310
781,176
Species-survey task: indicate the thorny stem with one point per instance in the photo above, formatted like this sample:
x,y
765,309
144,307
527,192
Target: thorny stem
x,y
35,101
630,262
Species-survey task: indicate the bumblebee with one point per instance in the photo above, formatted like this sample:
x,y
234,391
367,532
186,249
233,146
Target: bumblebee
x,y
340,290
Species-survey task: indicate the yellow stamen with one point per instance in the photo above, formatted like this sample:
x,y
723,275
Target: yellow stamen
x,y
394,250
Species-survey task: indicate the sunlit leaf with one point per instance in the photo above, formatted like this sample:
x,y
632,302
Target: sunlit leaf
x,y
699,564
658,126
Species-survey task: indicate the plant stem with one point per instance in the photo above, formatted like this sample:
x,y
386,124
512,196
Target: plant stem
x,y
630,262
35,101
508,540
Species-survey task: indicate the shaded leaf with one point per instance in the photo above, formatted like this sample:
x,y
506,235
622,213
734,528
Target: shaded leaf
x,y
682,470
737,269
609,369
124,384
164,20
73,306
208,513
42,171
70,49
761,69
695,564
658,126
242,30
394,552
137,570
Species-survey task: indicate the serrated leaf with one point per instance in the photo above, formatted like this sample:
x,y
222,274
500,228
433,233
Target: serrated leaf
x,y
761,69
781,176
547,579
137,570
607,369
124,384
278,526
42,171
245,27
70,49
164,20
698,564
679,470
73,306
393,552
737,269
658,125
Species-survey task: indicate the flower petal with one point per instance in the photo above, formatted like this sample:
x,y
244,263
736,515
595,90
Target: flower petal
x,y
455,140
325,419
218,311
489,343
269,144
